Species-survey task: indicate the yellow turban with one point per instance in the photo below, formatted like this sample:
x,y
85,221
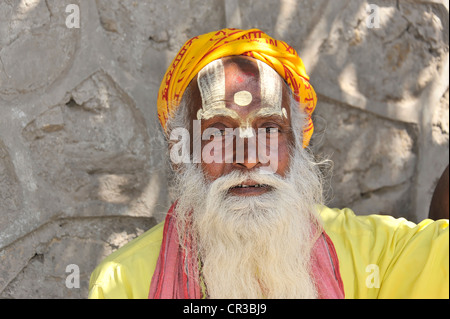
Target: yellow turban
x,y
200,50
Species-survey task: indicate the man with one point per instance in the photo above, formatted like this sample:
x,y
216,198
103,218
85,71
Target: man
x,y
439,206
248,221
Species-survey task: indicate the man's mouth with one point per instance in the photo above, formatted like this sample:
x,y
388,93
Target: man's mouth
x,y
249,188
246,186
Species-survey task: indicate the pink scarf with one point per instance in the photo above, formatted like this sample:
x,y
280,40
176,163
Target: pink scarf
x,y
176,275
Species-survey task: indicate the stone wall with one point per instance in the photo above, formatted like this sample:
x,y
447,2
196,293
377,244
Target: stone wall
x,y
82,160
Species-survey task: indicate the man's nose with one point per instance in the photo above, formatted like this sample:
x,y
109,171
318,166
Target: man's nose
x,y
246,152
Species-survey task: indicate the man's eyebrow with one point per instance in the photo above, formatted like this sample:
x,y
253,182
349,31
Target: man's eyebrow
x,y
269,112
225,113
215,112
274,116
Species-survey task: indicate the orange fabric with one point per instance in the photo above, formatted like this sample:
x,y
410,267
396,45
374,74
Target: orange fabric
x,y
200,50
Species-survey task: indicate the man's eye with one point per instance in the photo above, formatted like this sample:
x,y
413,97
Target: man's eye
x,y
272,130
219,133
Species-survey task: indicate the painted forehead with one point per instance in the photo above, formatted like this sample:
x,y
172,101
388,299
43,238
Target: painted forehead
x,y
255,82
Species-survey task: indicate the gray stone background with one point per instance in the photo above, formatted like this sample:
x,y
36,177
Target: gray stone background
x,y
82,160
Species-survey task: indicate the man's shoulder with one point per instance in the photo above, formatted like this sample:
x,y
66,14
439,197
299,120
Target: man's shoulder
x,y
148,243
345,220
127,272
389,245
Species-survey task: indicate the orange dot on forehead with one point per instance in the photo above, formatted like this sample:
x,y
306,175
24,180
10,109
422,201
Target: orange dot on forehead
x,y
240,79
241,73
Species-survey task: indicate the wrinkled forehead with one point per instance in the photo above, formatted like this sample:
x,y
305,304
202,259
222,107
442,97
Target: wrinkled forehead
x,y
241,82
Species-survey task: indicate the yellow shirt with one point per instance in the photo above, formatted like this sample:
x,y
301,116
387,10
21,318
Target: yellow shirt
x,y
379,257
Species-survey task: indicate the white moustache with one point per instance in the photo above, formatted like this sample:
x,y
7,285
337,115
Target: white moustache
x,y
245,179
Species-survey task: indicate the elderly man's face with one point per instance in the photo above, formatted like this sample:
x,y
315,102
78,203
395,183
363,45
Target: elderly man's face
x,y
247,96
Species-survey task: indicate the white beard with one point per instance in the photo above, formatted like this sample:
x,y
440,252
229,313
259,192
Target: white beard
x,y
253,246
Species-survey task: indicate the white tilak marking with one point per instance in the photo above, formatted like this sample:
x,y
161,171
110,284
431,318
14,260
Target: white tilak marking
x,y
211,83
246,132
271,90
